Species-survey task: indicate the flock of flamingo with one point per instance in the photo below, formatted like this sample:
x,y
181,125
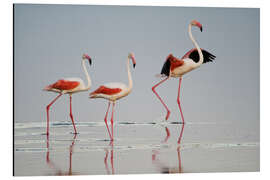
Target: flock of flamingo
x,y
173,67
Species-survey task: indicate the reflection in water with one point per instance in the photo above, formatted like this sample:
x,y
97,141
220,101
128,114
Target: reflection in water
x,y
106,157
168,135
181,134
163,168
51,164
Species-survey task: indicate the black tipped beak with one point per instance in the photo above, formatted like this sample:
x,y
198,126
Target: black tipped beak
x,y
90,61
134,65
201,29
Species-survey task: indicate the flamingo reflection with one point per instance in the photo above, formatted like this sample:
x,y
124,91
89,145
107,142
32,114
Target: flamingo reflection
x,y
163,167
51,164
111,158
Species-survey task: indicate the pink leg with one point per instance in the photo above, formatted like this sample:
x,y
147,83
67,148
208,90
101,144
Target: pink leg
x,y
153,89
181,134
105,161
105,119
70,154
112,164
48,161
48,108
178,100
154,155
71,116
168,134
179,160
112,120
48,151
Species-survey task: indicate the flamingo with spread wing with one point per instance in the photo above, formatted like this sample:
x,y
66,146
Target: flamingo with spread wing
x,y
174,67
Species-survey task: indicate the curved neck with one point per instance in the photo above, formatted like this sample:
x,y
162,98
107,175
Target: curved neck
x,y
87,76
196,45
130,83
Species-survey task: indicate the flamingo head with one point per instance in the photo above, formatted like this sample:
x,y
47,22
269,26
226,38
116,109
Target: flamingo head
x,y
131,56
85,56
196,23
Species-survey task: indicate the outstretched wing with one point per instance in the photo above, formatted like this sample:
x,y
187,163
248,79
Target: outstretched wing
x,y
194,55
208,57
166,68
170,64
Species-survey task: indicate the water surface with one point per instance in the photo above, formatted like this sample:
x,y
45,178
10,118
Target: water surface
x,y
138,148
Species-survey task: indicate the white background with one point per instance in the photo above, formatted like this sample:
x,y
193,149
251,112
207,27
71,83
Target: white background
x,y
6,85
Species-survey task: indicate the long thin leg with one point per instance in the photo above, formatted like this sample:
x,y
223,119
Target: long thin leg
x,y
178,148
168,134
179,160
112,120
181,134
112,164
71,116
153,89
48,151
70,154
48,161
105,161
105,119
48,108
178,100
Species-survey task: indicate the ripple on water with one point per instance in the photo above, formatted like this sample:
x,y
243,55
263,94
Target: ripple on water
x,y
79,147
86,124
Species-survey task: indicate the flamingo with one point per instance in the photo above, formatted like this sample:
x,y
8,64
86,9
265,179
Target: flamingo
x,y
114,91
69,86
174,67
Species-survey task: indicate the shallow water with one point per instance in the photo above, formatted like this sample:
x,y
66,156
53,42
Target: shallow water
x,y
151,147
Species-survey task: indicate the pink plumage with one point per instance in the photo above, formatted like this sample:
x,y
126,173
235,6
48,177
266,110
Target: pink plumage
x,y
69,86
174,67
114,91
106,90
63,85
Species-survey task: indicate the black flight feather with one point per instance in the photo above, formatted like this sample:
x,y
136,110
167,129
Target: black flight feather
x,y
166,67
207,57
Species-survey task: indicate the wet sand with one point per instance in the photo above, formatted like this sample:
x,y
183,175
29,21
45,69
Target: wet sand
x,y
138,148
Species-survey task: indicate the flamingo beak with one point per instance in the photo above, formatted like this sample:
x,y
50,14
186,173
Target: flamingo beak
x,y
90,61
133,61
199,25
